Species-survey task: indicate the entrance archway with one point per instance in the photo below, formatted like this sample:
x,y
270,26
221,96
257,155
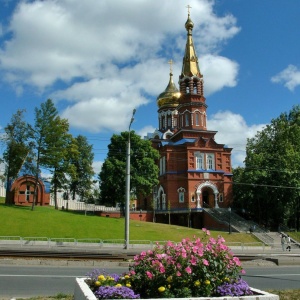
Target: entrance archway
x,y
203,192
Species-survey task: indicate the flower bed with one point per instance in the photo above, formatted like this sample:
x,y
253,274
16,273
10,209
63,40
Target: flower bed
x,y
83,292
199,268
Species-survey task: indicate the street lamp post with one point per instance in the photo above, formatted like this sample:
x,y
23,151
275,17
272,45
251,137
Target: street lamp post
x,y
229,229
127,201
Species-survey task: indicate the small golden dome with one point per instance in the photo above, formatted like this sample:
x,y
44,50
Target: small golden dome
x,y
189,25
170,96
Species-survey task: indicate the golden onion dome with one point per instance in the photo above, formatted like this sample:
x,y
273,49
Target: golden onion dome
x,y
189,25
170,97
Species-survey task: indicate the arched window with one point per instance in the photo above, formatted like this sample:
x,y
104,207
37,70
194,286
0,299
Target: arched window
x,y
169,121
195,88
181,192
199,157
187,123
210,162
197,119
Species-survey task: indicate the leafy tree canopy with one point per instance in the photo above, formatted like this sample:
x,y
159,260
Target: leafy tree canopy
x,y
143,168
270,182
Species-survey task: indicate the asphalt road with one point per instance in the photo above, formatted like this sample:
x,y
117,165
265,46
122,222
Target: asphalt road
x,y
28,281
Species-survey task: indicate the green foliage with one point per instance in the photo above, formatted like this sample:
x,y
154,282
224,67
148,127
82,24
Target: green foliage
x,y
50,137
16,139
82,162
143,168
269,184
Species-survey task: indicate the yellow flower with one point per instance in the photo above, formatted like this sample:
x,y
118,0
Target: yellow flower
x,y
226,279
128,285
207,282
197,283
161,289
169,279
126,276
97,283
118,285
101,277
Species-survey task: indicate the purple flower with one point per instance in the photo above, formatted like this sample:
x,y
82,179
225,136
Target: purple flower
x,y
237,288
112,292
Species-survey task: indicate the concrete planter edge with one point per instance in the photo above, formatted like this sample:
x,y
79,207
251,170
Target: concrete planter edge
x,y
83,292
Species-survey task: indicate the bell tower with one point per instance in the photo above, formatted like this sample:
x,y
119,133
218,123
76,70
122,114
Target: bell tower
x,y
192,107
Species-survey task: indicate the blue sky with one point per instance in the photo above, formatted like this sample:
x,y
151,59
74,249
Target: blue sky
x,y
99,59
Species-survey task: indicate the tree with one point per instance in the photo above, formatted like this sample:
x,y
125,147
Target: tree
x,y
17,149
82,178
144,171
51,139
270,178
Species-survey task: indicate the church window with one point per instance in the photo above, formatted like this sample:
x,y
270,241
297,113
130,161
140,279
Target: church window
x,y
199,161
187,123
220,197
162,165
27,192
195,88
210,162
204,161
197,119
181,195
163,201
169,121
175,122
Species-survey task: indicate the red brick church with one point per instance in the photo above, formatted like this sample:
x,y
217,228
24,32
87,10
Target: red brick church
x,y
195,171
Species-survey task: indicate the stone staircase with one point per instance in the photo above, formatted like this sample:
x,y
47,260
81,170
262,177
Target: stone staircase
x,y
238,224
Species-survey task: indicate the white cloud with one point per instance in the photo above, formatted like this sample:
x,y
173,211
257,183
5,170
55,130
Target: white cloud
x,y
219,72
97,166
233,131
106,52
290,77
143,132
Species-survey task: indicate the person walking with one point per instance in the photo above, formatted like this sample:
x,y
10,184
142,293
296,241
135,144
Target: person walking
x,y
283,242
288,241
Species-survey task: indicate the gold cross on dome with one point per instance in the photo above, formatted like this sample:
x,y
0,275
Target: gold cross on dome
x,y
170,62
188,7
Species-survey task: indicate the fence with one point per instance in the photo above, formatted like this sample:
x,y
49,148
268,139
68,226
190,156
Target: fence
x,y
78,205
94,244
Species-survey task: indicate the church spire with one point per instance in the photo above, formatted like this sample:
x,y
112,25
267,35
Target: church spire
x,y
192,107
190,65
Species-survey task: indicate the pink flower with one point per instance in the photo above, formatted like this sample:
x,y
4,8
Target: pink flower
x,y
193,260
162,269
149,274
237,261
188,270
178,274
205,262
212,241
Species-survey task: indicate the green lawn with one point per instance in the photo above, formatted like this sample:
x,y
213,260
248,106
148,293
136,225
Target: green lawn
x,y
48,222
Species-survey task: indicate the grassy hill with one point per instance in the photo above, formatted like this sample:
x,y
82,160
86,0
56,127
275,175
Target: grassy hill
x,y
51,223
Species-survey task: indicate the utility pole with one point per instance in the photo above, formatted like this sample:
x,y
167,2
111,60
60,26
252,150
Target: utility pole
x,y
127,201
